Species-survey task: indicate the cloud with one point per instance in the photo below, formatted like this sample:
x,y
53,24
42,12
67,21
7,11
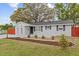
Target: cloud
x,y
51,5
5,20
13,5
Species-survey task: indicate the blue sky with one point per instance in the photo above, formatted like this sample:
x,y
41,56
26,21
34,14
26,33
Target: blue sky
x,y
6,10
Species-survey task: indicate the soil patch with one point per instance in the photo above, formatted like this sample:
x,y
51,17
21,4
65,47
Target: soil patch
x,y
55,43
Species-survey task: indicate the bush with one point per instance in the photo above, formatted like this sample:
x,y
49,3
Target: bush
x,y
43,37
28,36
36,36
52,37
63,42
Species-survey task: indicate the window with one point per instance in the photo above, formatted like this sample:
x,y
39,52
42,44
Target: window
x,y
21,31
57,27
37,28
41,28
48,27
34,28
26,29
45,27
17,30
60,27
63,27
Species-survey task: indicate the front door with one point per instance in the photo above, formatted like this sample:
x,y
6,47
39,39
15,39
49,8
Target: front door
x,y
31,30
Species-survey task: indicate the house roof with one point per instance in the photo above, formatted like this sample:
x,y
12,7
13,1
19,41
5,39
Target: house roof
x,y
68,22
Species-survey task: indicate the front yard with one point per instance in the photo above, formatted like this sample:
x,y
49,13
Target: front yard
x,y
9,47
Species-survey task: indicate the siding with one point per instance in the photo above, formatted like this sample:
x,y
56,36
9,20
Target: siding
x,y
47,33
54,32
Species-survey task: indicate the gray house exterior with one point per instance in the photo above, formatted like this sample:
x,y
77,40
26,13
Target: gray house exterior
x,y
47,29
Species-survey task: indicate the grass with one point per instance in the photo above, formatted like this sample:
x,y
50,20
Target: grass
x,y
24,48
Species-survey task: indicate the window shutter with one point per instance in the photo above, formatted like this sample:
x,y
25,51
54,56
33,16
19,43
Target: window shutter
x,y
50,27
41,28
63,27
57,27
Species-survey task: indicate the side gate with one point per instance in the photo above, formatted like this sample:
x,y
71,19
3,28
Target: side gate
x,y
75,31
11,30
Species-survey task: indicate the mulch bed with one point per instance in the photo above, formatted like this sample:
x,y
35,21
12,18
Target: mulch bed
x,y
41,41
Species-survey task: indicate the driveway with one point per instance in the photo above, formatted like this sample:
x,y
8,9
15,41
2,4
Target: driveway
x,y
5,35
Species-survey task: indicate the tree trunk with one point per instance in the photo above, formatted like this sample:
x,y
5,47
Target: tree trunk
x,y
7,34
74,21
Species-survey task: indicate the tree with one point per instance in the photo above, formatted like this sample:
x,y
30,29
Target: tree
x,y
64,43
39,11
33,12
67,11
5,28
17,15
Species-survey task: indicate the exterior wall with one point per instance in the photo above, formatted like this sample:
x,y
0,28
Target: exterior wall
x,y
19,31
53,31
27,30
22,30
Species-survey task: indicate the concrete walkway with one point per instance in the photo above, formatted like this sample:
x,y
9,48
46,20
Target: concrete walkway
x,y
5,35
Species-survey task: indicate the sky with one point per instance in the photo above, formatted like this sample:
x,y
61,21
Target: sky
x,y
6,10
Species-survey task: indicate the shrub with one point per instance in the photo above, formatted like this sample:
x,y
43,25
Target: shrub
x,y
43,37
63,42
36,36
52,37
28,36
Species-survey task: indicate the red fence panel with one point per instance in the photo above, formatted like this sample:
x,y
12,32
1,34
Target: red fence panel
x,y
75,31
11,30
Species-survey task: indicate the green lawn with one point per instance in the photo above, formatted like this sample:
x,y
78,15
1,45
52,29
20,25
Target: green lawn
x,y
23,48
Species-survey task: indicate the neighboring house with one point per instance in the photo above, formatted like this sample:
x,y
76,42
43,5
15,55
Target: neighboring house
x,y
47,29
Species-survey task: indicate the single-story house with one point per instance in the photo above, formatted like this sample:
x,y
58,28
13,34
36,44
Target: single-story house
x,y
47,29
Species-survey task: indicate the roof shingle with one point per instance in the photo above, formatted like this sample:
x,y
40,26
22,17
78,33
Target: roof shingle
x,y
70,22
